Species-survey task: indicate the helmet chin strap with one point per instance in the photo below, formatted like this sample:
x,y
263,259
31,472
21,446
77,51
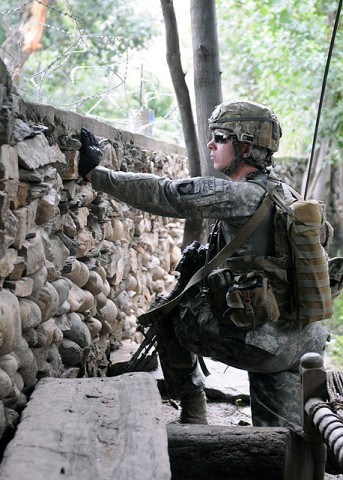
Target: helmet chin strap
x,y
237,159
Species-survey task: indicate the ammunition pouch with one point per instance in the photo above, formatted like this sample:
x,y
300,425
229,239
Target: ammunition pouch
x,y
251,301
245,300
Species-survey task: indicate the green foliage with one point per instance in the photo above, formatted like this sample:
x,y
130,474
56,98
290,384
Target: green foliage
x,y
85,52
335,349
274,52
335,327
336,322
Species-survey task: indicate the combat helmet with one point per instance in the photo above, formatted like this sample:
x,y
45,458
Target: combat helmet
x,y
252,123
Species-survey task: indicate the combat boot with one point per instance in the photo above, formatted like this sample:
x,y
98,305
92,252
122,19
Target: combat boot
x,y
193,409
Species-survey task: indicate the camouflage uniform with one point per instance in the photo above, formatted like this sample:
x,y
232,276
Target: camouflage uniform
x,y
271,351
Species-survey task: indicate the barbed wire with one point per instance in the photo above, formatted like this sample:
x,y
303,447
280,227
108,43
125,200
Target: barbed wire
x,y
102,86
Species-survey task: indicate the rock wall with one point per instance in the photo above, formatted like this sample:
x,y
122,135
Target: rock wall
x,y
76,267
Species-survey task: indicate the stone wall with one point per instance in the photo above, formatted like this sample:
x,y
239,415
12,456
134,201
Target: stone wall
x,y
76,267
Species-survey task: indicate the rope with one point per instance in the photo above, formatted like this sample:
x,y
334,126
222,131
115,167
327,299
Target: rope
x,y
335,391
327,416
330,426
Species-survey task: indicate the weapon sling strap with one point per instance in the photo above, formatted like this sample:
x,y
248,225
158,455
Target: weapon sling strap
x,y
248,228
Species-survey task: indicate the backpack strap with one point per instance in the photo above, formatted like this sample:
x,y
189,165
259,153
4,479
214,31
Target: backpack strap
x,y
247,229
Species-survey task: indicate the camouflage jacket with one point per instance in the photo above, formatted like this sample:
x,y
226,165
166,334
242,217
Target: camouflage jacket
x,y
198,197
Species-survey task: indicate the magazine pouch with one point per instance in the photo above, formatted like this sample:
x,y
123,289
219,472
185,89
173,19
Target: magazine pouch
x,y
250,301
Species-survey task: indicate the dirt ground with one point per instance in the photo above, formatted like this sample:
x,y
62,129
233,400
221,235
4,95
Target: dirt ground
x,y
227,392
219,413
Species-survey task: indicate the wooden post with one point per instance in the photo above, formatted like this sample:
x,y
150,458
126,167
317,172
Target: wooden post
x,y
313,385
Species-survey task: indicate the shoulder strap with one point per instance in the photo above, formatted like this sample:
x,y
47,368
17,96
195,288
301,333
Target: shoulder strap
x,y
275,188
247,229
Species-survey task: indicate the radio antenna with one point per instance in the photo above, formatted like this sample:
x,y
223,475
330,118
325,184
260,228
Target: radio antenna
x,y
326,72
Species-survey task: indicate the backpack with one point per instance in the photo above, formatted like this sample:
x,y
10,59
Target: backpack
x,y
303,278
308,238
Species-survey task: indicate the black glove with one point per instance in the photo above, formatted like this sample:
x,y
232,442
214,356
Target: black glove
x,y
90,153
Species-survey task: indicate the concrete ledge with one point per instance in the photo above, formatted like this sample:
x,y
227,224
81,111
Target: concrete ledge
x,y
71,122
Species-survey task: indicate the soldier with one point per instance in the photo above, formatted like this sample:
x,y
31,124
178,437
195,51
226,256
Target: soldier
x,y
244,137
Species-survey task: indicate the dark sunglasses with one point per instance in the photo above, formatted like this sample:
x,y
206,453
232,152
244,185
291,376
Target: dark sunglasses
x,y
220,137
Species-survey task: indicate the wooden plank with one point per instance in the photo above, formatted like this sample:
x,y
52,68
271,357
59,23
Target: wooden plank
x,y
216,452
90,428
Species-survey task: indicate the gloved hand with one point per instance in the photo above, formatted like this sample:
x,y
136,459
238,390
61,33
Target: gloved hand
x,y
90,153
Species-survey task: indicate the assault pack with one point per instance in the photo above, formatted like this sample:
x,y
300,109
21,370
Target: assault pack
x,y
309,235
303,278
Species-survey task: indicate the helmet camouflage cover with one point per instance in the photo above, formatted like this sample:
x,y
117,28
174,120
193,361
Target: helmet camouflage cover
x,y
252,123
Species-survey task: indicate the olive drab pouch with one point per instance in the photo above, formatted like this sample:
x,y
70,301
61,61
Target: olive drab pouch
x,y
250,300
304,221
310,260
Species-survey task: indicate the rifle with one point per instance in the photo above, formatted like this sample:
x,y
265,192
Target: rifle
x,y
192,258
196,262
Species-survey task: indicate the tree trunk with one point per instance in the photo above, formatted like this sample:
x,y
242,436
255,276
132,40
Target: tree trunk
x,y
30,32
180,86
207,81
215,452
335,210
193,228
325,184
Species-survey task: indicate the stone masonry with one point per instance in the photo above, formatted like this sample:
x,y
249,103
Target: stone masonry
x,y
76,267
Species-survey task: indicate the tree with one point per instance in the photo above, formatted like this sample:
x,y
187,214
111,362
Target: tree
x,y
275,53
82,41
207,78
193,228
31,30
207,91
180,87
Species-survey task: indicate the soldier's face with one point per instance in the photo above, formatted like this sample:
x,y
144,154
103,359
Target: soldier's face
x,y
221,149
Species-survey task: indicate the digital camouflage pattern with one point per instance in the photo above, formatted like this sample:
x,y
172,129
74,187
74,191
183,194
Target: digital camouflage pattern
x,y
252,123
196,197
270,352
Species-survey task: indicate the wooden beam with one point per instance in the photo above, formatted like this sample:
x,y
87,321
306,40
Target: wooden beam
x,y
90,428
213,452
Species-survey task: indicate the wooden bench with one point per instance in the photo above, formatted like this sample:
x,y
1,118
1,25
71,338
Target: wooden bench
x,y
89,429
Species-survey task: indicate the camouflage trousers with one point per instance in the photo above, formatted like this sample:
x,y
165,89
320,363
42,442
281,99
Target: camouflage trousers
x,y
270,353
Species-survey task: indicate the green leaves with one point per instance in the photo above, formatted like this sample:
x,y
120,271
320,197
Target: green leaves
x,y
274,52
85,50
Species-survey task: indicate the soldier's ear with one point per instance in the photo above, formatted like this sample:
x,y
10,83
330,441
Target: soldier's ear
x,y
246,150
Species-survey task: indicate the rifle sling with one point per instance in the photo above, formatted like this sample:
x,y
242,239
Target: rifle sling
x,y
248,228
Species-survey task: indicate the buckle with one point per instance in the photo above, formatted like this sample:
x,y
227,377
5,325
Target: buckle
x,y
246,137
